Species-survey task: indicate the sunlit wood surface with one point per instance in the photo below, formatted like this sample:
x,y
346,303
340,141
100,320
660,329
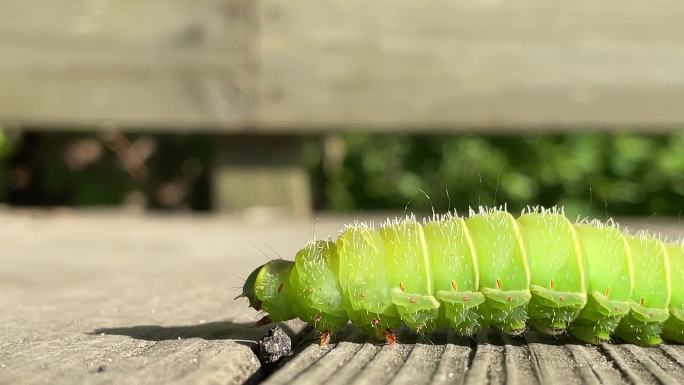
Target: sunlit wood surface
x,y
122,297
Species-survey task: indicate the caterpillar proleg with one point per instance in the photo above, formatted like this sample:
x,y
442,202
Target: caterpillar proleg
x,y
486,270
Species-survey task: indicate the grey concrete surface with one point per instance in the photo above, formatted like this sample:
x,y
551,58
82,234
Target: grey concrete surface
x,y
125,298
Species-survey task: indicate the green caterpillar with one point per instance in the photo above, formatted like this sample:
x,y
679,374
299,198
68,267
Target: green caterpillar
x,y
486,270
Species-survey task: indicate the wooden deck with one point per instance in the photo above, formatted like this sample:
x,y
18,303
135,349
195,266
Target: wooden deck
x,y
117,297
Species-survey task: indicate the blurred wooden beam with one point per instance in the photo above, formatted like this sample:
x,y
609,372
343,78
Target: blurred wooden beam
x,y
164,64
261,176
471,65
282,66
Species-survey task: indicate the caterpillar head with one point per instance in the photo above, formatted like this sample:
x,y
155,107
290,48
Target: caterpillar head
x,y
268,288
248,289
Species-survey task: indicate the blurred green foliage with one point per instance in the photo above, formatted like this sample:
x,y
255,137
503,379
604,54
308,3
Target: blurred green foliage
x,y
5,146
592,174
589,173
167,171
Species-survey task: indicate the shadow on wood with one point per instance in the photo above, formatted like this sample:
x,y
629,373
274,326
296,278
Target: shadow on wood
x,y
241,332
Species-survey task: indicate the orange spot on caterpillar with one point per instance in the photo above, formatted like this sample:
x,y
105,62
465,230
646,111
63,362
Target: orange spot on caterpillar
x,y
510,298
562,299
375,322
454,286
498,284
552,285
401,286
641,301
280,288
466,298
317,319
362,295
606,292
412,300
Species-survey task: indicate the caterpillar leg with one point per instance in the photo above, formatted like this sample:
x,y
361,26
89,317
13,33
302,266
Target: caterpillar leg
x,y
598,319
638,332
673,329
551,311
265,320
505,310
325,338
390,337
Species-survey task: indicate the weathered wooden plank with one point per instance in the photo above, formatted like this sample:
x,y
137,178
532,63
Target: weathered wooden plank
x,y
103,298
110,298
271,65
419,65
143,64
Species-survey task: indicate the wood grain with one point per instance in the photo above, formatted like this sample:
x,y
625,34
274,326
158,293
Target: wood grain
x,y
110,297
156,64
292,67
417,65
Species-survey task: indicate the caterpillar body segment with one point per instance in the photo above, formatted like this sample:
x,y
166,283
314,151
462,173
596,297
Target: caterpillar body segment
x,y
503,269
557,271
409,274
487,270
363,280
319,299
650,299
454,273
610,279
673,328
